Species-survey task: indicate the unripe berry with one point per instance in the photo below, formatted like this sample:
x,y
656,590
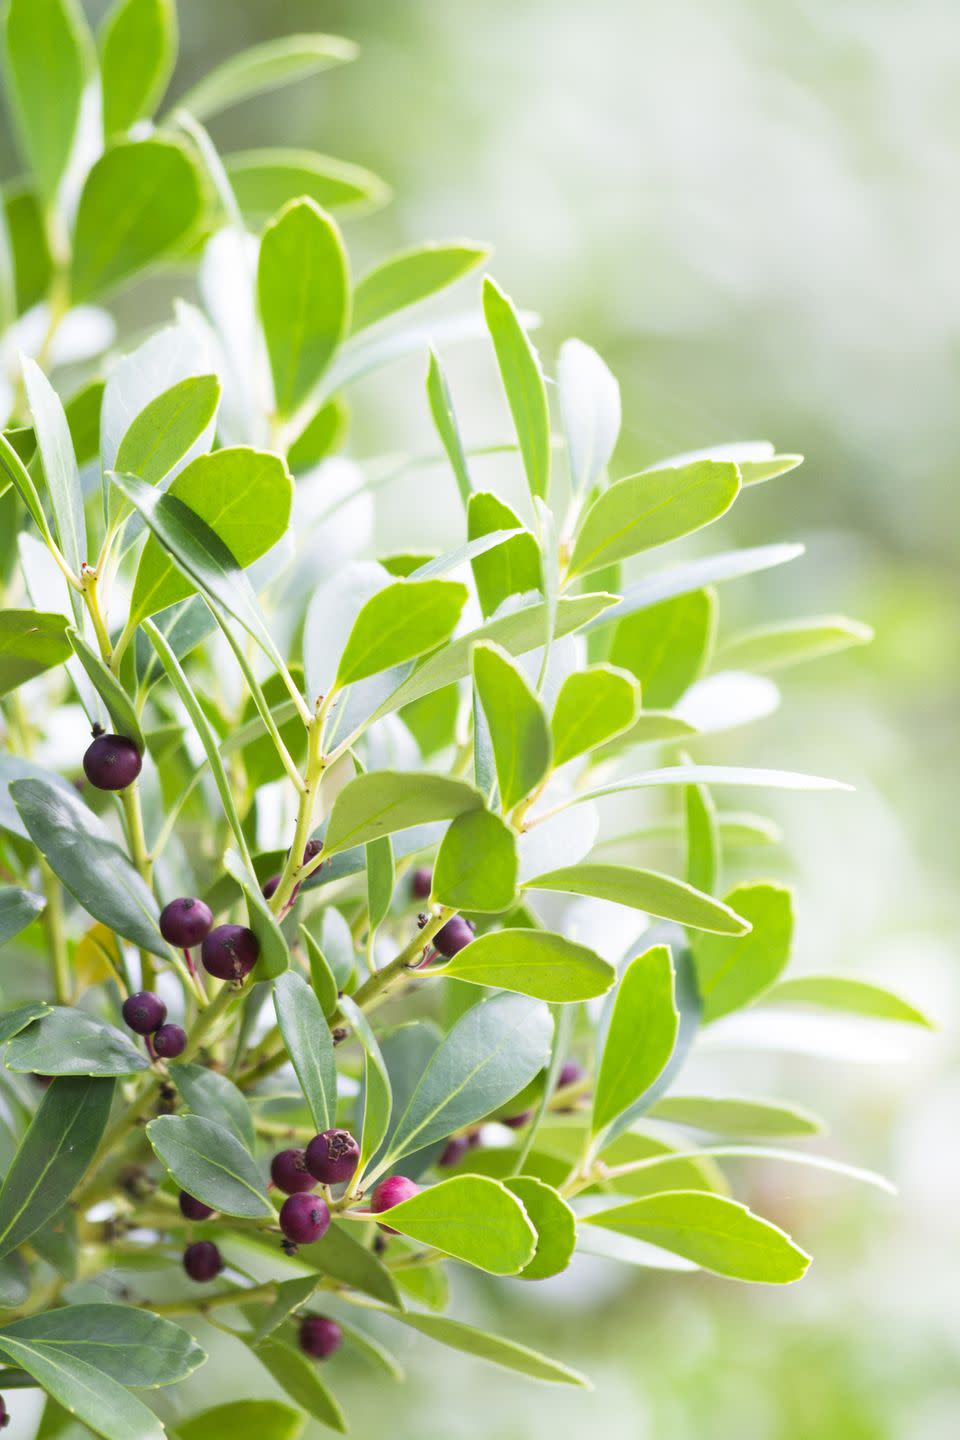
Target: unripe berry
x,y
333,1156
289,1173
320,1336
230,952
392,1191
421,883
304,1218
112,762
170,1041
453,937
192,1209
185,922
144,1012
202,1261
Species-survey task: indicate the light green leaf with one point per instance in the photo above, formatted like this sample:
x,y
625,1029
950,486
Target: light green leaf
x,y
512,568
400,622
372,1350
532,962
519,731
756,460
309,1045
554,1222
89,1394
590,406
667,646
733,971
651,509
17,909
31,642
703,838
472,1218
47,62
140,203
381,879
718,1234
452,559
694,574
712,775
593,706
646,890
321,436
70,1042
263,181
288,1298
59,465
385,801
773,647
505,1353
322,978
298,1378
274,956
210,1163
445,420
736,1115
14,472
303,285
262,68
120,707
841,992
476,866
138,50
133,1347
523,385
212,1096
168,427
244,1420
377,1095
411,276
641,1035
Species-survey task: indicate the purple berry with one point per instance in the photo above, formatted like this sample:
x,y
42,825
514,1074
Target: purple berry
x,y
320,1336
570,1074
268,888
202,1261
170,1041
185,922
144,1012
112,762
453,937
289,1173
456,1147
5,1414
421,883
304,1218
517,1122
392,1191
230,952
310,852
333,1156
192,1209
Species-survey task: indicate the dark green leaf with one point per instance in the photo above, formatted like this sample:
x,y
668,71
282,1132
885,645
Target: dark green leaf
x,y
87,1393
17,909
70,1042
132,1346
274,956
377,1094
322,978
30,643
211,1164
13,1021
288,1297
212,1096
120,707
309,1045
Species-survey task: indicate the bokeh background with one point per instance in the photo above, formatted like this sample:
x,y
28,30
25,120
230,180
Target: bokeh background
x,y
751,210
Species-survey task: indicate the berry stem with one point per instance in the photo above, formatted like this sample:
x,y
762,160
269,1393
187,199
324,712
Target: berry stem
x,y
290,874
373,991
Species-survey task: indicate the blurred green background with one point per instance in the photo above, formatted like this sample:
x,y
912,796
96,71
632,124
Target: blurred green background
x,y
751,210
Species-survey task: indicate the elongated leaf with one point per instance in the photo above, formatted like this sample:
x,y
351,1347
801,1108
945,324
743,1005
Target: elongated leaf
x,y
445,420
88,862
694,574
519,732
141,201
841,992
274,956
512,568
523,385
309,1045
443,564
645,890
288,1298
299,1380
138,48
385,801
407,1051
703,837
47,58
651,509
720,1235
53,1156
211,1164
372,1350
490,1054
713,775
120,707
244,1420
303,286
773,647
132,1346
476,865
70,1042
593,706
322,978
17,909
732,972
472,1218
532,962
345,1259
736,1115
381,879
411,276
398,623
554,1222
640,1037
590,405
263,68
263,181
505,1353
757,459
667,646
31,642
89,1394
59,464
377,1095
212,1096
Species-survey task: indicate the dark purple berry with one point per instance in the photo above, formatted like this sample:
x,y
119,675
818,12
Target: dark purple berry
x,y
170,1041
453,937
5,1414
192,1209
289,1173
304,1218
310,852
230,952
517,1122
320,1336
570,1074
112,762
392,1191
202,1261
185,922
268,888
421,883
144,1012
456,1147
333,1156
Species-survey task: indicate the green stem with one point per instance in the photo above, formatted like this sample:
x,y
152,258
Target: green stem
x,y
374,990
53,916
293,866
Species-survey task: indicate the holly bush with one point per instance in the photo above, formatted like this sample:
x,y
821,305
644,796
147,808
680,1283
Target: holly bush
x,y
326,896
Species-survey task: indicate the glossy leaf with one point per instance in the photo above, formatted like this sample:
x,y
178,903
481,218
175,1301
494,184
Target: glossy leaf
x,y
512,568
289,1295
309,1045
593,706
732,972
519,732
847,994
322,978
736,1115
299,1380
476,865
377,1095
13,1021
554,1222
381,879
47,60
532,962
385,801
445,421
133,1347
70,1042
773,647
211,1164
645,890
666,646
17,909
214,1097
30,643
138,49
400,622
472,1218
89,1394
263,181
411,276
641,1035
499,1351
757,460
263,68
119,706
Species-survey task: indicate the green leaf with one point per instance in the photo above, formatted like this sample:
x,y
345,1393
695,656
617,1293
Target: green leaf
x,y
651,509
694,574
590,406
377,1095
736,1115
242,495
140,203
712,775
31,642
14,1285
138,50
445,421
476,866
288,1298
523,384
244,1420
274,956
512,568
321,435
411,276
17,909
212,1096
666,646
592,707
407,1051
53,1156
303,285
59,465
519,731
491,1053
30,252
398,623
298,1378
532,962
16,473
773,647
372,1350
732,972
89,1394
211,1164
472,1218
47,55
385,801
718,1234
89,863
263,181
309,1045
443,564
640,1037
756,459
554,1222
322,978
840,992
262,68
13,1021
70,1042
168,427
133,1347
703,838
645,890
381,879
343,1258
120,707
505,1353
